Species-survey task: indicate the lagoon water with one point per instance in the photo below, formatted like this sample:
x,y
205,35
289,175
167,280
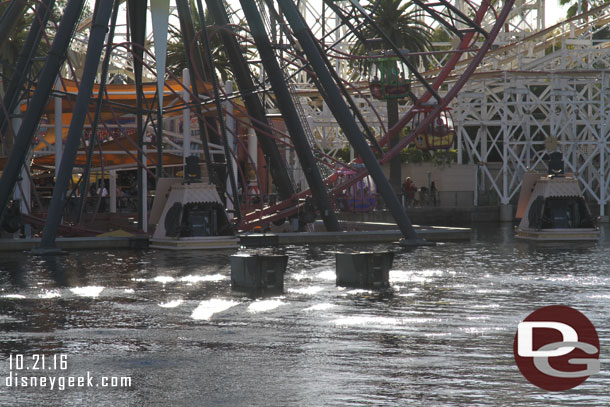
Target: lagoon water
x,y
442,336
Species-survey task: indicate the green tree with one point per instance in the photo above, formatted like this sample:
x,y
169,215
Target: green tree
x,y
176,56
585,5
400,21
11,49
573,9
9,53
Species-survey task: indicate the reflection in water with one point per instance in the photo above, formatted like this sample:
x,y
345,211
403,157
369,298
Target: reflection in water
x,y
48,294
206,309
93,291
265,305
442,335
320,307
171,304
199,279
164,279
307,290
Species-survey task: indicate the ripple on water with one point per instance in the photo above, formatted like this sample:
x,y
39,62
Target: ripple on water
x,y
415,276
371,321
306,290
48,294
320,307
164,279
198,279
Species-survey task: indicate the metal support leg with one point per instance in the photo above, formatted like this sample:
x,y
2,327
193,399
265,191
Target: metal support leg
x,y
93,140
243,77
291,116
46,80
347,122
59,128
137,25
197,73
112,190
92,59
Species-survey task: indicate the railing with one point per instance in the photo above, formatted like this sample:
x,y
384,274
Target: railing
x,y
421,199
445,199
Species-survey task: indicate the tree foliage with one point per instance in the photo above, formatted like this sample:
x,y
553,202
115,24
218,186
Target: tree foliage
x,y
176,54
400,21
14,46
585,5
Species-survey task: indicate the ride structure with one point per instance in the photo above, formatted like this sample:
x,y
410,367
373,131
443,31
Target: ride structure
x,y
282,34
389,79
548,88
440,132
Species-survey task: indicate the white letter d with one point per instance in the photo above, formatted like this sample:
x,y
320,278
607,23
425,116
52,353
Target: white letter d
x,y
525,341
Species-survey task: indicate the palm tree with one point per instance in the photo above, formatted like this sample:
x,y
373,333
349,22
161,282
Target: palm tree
x,y
14,45
585,5
176,57
573,9
401,23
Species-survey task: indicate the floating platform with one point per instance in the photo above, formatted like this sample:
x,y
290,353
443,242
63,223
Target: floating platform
x,y
196,243
79,243
558,235
430,233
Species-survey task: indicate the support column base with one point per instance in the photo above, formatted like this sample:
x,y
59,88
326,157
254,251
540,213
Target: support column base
x,y
48,251
415,242
506,213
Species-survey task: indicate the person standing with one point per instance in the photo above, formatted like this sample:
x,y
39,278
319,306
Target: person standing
x,y
433,193
409,189
103,193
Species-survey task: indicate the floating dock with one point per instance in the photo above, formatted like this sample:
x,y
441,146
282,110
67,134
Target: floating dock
x,y
429,233
196,243
79,243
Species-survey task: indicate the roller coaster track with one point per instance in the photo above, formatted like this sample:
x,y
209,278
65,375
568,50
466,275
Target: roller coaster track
x,y
506,57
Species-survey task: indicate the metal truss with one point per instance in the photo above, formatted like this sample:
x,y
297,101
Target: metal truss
x,y
550,93
527,16
539,89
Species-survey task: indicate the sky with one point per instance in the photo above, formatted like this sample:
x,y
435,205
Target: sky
x,y
554,12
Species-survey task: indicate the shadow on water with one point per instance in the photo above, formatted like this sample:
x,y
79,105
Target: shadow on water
x,y
17,274
55,267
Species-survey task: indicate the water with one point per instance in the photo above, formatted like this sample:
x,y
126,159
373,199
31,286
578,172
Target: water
x,y
170,322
